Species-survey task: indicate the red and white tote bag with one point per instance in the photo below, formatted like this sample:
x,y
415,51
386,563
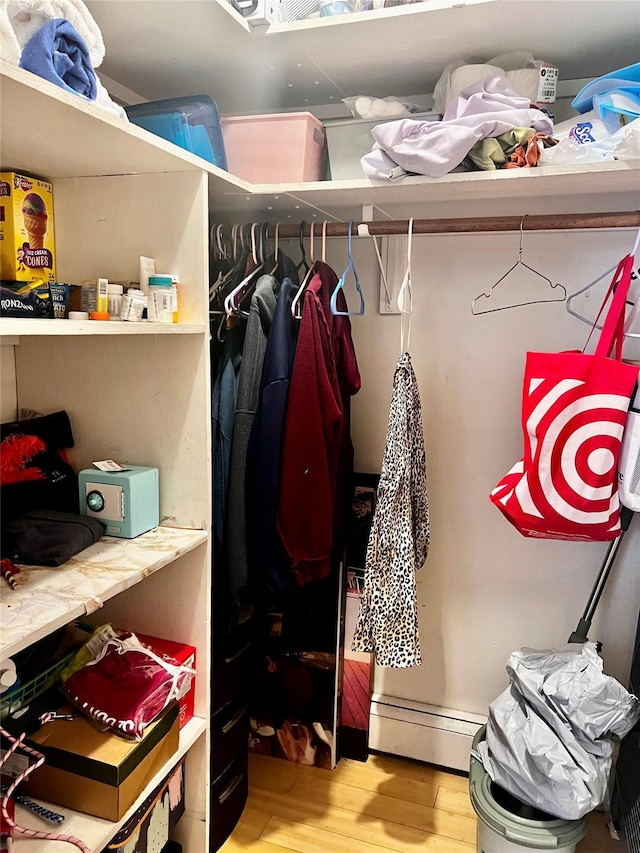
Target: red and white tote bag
x,y
574,408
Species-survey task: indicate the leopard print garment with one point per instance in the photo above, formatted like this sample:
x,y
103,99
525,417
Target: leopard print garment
x,y
399,540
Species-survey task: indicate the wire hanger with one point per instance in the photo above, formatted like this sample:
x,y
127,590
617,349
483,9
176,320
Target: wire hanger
x,y
232,300
405,297
276,249
518,263
296,305
334,296
635,309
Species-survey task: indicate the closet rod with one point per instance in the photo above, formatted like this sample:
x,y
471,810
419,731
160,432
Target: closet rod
x,y
547,222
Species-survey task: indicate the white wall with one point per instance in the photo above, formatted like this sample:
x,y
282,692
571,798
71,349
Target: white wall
x,y
8,399
485,590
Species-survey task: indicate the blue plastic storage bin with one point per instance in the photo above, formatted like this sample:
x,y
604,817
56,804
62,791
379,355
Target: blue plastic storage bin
x,y
193,123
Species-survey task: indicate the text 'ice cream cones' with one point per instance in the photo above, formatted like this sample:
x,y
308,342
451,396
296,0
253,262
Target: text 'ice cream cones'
x,y
27,228
34,215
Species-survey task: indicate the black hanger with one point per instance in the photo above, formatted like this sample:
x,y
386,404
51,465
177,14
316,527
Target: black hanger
x,y
304,261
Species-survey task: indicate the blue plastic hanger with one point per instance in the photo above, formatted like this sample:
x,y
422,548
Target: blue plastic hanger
x,y
334,296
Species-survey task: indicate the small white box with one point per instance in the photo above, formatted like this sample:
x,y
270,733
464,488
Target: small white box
x,y
95,295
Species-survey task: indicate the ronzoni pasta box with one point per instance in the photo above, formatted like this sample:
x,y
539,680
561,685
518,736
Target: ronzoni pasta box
x,y
27,247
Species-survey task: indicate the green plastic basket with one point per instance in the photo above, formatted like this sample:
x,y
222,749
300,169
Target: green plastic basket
x,y
12,701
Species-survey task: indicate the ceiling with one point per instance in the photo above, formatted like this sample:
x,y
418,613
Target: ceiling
x,y
182,47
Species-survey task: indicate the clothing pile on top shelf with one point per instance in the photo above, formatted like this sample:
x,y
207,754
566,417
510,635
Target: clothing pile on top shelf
x,y
58,40
496,119
489,109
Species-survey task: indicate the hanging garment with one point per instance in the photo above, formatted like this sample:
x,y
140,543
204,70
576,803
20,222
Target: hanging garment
x,y
267,564
261,312
399,540
312,438
223,409
349,382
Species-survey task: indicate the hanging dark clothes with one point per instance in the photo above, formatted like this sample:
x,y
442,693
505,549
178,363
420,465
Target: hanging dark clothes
x,y
267,564
261,313
223,409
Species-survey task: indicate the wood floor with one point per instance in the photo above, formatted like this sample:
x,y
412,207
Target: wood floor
x,y
387,804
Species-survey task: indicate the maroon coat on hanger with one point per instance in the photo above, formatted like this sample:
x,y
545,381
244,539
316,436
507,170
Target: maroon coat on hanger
x,y
316,446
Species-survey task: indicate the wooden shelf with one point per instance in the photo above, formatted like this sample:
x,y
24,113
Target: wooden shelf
x,y
95,832
63,328
48,598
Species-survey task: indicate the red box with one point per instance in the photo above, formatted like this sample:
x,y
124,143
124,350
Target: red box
x,y
179,653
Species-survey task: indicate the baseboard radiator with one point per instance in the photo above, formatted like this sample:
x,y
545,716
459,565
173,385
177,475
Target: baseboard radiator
x,y
423,732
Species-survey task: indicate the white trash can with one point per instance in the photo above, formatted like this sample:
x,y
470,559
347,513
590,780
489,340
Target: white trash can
x,y
506,825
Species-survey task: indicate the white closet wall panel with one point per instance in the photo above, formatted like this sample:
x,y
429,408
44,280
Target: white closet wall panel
x,y
138,428
485,590
8,394
110,221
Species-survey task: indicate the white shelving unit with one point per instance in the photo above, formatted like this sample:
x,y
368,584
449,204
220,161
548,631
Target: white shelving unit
x,y
139,393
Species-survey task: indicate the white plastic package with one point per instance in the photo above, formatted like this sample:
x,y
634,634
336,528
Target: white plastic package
x,y
551,734
586,139
532,78
363,106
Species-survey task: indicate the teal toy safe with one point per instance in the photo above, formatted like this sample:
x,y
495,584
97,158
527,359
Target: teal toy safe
x,y
126,502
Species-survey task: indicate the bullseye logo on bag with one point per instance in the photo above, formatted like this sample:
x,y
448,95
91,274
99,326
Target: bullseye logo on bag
x,y
574,442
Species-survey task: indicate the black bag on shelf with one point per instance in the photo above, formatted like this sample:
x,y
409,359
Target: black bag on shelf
x,y
34,473
19,299
50,538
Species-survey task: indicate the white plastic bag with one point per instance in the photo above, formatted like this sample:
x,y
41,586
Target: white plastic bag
x,y
363,106
550,735
520,68
586,139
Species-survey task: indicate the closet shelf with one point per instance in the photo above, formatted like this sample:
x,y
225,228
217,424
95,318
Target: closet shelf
x,y
95,832
106,145
397,51
329,198
48,598
65,328
52,134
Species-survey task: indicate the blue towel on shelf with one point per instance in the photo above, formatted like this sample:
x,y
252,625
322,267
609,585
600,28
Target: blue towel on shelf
x,y
58,53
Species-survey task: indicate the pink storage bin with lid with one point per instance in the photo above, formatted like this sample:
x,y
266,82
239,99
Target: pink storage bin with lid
x,y
275,149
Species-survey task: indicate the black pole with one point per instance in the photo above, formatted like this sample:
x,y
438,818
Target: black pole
x,y
580,635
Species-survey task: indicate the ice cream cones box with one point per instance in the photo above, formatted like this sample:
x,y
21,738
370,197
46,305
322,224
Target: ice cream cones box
x,y
96,772
27,244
